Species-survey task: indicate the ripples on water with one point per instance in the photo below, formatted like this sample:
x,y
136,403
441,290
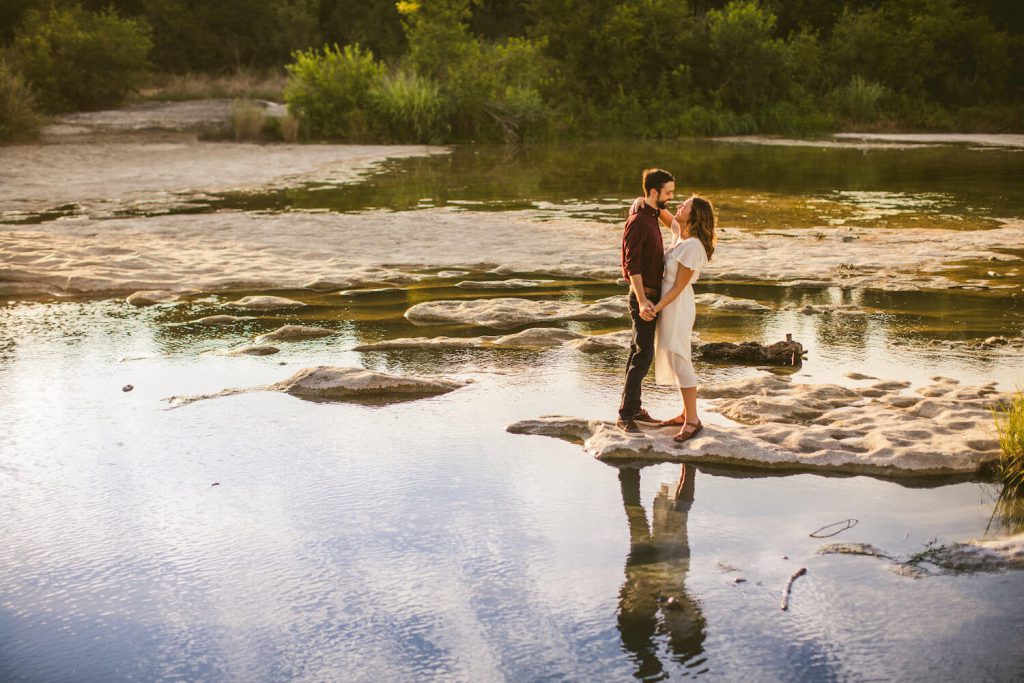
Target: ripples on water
x,y
418,540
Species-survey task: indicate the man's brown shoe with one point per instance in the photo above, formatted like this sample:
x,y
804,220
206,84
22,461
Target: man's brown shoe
x,y
643,417
630,426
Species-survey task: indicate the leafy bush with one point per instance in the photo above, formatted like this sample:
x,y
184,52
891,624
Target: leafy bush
x,y
408,108
329,90
18,117
76,59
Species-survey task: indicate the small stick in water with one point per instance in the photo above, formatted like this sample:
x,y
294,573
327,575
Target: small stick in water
x,y
789,584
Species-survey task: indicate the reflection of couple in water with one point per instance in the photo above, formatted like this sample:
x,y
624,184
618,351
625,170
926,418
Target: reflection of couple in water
x,y
653,599
661,301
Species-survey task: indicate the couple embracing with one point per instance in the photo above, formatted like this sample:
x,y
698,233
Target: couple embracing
x,y
661,303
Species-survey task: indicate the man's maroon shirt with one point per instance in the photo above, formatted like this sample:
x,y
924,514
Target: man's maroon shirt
x,y
643,252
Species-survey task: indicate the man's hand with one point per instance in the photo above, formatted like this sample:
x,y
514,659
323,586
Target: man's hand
x,y
647,311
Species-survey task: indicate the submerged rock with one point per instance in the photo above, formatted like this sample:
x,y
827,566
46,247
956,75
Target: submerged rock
x,y
261,350
535,338
264,303
511,312
513,283
221,319
294,333
152,297
795,426
728,303
327,383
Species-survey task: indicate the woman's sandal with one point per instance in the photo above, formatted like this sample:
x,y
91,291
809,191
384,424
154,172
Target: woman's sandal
x,y
677,421
684,435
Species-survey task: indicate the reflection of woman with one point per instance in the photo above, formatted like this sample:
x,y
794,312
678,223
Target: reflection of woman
x,y
685,258
653,598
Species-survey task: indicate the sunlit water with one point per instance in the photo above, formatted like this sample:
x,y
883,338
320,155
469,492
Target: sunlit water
x,y
263,537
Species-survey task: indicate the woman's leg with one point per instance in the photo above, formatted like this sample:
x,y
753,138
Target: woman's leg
x,y
690,404
693,424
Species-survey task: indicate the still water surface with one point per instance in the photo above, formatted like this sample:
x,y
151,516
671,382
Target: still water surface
x,y
418,540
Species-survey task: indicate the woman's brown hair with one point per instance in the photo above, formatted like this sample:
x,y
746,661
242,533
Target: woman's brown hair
x,y
701,223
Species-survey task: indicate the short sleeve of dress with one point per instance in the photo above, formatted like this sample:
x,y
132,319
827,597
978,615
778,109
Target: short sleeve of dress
x,y
690,254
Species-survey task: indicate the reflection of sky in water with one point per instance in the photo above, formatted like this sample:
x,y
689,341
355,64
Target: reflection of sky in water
x,y
419,540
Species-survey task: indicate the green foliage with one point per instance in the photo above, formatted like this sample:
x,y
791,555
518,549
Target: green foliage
x,y
749,64
408,108
860,100
329,90
1009,418
489,89
76,59
195,35
461,70
18,118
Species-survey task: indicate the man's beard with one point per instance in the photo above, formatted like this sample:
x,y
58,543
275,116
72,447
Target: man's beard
x,y
662,204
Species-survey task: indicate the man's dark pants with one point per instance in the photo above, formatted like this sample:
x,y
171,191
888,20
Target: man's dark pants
x,y
641,355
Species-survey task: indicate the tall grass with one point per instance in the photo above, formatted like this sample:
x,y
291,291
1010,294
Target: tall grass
x,y
860,100
409,108
249,84
1009,419
246,119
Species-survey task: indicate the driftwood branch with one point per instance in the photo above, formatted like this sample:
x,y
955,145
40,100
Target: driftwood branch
x,y
789,584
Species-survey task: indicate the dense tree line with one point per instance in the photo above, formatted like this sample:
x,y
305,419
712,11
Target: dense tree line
x,y
479,69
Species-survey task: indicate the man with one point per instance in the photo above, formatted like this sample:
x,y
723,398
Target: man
x,y
643,264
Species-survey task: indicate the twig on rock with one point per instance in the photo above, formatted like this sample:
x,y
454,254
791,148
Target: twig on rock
x,y
789,584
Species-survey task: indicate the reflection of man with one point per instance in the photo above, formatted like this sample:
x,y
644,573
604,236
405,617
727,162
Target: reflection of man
x,y
653,598
643,264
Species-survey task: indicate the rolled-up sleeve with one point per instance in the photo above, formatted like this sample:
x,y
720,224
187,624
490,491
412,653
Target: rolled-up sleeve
x,y
632,248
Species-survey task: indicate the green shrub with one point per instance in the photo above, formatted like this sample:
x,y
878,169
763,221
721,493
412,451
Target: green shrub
x,y
408,108
18,117
860,100
329,90
76,59
1009,418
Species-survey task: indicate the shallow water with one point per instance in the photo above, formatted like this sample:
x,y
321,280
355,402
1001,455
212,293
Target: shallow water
x,y
263,537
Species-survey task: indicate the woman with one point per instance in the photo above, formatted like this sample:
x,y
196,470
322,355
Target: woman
x,y
694,233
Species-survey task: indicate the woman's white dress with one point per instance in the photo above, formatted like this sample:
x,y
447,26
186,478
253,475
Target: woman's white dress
x,y
672,364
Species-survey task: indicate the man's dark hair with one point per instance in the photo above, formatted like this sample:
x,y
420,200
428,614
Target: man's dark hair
x,y
655,179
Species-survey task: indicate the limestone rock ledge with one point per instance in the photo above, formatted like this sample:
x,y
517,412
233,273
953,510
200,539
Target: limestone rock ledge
x,y
327,383
879,430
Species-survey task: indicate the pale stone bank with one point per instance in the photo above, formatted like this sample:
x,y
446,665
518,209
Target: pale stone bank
x,y
879,429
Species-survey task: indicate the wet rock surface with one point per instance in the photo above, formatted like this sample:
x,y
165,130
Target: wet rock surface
x,y
264,303
944,428
295,333
728,303
752,353
152,297
328,383
508,312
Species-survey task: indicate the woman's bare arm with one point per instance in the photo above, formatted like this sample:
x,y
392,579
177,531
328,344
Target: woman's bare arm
x,y
683,277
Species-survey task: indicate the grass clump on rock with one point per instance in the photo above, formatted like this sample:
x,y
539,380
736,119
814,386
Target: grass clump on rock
x,y
1009,418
